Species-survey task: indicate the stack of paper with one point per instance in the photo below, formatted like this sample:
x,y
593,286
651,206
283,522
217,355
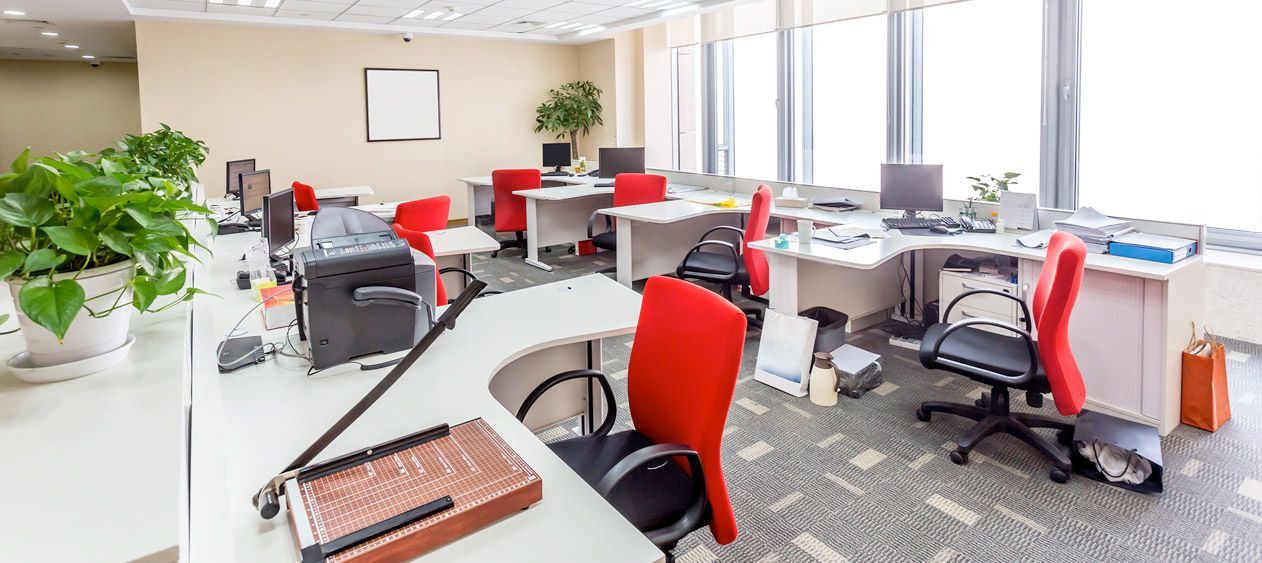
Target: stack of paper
x,y
1094,228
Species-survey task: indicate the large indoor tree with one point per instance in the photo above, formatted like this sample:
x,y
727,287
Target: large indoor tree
x,y
571,107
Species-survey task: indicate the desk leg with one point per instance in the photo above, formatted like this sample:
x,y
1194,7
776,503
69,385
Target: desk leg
x,y
532,235
624,252
783,290
472,204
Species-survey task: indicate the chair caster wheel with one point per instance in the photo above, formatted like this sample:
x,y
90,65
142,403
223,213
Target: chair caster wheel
x,y
1059,475
1065,437
495,254
922,415
959,457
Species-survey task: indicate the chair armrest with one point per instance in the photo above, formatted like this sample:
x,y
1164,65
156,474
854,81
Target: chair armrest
x,y
1025,309
736,256
740,232
591,224
1008,379
470,276
698,506
605,426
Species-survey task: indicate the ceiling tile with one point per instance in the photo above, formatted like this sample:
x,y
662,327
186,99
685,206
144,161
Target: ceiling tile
x,y
462,7
488,20
377,11
408,4
244,10
608,2
626,12
417,22
461,25
502,11
302,15
360,18
600,19
579,8
551,16
170,5
313,7
535,4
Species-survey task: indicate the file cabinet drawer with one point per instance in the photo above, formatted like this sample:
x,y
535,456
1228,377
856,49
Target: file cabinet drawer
x,y
954,285
961,312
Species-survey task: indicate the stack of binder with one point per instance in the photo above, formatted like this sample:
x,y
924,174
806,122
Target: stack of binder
x,y
1156,248
1094,228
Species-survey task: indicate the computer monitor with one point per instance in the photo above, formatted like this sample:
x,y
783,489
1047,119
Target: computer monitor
x,y
254,185
235,169
615,161
278,220
556,155
911,187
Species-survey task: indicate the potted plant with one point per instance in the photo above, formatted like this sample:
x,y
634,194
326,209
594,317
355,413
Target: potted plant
x,y
987,188
571,107
83,240
165,153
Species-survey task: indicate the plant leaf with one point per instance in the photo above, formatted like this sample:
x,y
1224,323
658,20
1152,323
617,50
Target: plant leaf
x,y
25,210
143,292
52,305
20,163
74,240
171,281
42,259
116,241
10,261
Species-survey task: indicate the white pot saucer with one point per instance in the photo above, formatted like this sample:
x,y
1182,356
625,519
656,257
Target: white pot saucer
x,y
23,370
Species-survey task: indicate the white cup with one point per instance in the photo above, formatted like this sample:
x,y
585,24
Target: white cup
x,y
805,229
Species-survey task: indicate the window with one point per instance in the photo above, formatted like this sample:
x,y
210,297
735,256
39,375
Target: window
x,y
1169,111
982,91
687,118
847,91
753,98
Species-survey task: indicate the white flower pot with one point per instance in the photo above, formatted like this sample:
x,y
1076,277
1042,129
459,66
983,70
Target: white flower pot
x,y
88,336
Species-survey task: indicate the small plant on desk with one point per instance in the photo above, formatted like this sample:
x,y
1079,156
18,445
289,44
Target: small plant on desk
x,y
987,188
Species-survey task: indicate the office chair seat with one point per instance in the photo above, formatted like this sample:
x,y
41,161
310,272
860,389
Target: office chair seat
x,y
712,264
986,350
652,497
606,241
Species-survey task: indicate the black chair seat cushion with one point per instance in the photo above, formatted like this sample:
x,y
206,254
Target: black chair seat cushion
x,y
987,350
710,265
606,241
652,496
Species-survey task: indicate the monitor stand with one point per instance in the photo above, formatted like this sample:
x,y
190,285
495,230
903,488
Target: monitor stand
x,y
557,172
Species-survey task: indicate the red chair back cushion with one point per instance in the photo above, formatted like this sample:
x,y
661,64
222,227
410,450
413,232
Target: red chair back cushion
x,y
682,374
756,230
510,209
421,242
634,189
1054,299
304,197
424,215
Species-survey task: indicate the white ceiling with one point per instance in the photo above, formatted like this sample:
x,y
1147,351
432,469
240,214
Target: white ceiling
x,y
101,28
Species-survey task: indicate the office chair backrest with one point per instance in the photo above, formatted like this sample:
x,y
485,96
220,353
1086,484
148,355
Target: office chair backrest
x,y
420,241
342,221
634,189
510,209
304,197
1054,299
683,369
756,230
424,215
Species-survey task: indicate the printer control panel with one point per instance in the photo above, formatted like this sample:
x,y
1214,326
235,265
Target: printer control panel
x,y
330,249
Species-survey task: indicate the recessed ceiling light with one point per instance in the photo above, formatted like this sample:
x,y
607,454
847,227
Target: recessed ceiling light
x,y
681,10
557,24
452,16
89,57
413,14
72,46
656,4
244,2
432,16
14,13
271,3
48,33
573,25
637,3
673,6
591,30
216,1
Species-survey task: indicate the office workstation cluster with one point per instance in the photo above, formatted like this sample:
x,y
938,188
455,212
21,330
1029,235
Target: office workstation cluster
x,y
519,280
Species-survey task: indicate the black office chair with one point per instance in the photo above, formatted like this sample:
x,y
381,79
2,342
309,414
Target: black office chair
x,y
740,265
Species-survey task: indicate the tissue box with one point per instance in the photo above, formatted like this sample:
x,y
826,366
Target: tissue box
x,y
795,202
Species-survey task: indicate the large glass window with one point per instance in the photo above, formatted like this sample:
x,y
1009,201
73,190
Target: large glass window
x,y
982,91
1170,119
848,92
753,96
687,118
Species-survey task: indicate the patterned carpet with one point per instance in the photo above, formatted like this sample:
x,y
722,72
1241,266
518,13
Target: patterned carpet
x,y
865,481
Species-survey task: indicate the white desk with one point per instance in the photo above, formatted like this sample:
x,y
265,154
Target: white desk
x,y
250,423
92,466
559,216
479,191
455,247
1127,330
346,196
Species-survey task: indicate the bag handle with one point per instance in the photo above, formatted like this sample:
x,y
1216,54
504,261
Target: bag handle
x,y
1130,459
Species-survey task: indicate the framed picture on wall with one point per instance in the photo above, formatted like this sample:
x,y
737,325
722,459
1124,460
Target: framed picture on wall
x,y
402,104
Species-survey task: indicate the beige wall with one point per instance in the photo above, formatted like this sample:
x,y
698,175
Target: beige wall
x,y
65,106
294,100
657,106
629,77
596,63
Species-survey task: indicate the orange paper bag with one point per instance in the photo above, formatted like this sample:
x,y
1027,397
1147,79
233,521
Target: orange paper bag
x,y
1205,402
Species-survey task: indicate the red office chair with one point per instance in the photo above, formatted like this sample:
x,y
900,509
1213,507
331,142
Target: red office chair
x,y
510,209
421,242
628,189
746,267
1004,362
683,370
304,197
424,215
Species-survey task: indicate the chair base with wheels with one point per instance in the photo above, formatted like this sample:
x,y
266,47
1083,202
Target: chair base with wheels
x,y
518,242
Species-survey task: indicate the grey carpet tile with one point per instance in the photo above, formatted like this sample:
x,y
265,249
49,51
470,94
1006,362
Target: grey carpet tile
x,y
866,481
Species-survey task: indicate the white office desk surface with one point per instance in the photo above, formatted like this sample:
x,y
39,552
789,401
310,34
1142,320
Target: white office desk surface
x,y
345,191
271,412
461,240
91,466
485,181
565,192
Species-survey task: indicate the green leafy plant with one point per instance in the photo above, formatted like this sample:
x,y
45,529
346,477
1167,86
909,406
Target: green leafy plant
x,y
987,187
571,107
66,214
165,153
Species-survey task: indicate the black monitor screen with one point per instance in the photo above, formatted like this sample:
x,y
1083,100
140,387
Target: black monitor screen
x,y
621,160
911,187
278,220
254,185
556,154
235,169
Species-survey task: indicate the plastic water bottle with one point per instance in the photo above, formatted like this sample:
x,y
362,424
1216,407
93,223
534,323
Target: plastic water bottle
x,y
259,264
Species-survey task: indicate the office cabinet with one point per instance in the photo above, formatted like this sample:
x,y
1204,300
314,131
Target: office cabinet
x,y
952,284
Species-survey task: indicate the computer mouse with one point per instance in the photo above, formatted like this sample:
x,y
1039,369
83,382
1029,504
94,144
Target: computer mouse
x,y
943,230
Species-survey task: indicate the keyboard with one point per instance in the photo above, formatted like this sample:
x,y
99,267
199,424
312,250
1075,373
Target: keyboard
x,y
918,222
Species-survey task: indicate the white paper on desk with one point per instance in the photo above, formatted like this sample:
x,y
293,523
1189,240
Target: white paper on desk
x,y
1019,210
838,234
852,359
1037,239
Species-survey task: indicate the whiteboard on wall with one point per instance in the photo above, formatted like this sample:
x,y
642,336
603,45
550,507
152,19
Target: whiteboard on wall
x,y
402,104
